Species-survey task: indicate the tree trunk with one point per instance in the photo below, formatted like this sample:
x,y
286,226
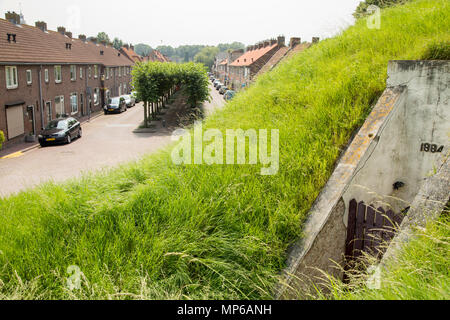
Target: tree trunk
x,y
145,115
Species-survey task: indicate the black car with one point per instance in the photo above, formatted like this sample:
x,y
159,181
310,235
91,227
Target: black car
x,y
115,105
60,131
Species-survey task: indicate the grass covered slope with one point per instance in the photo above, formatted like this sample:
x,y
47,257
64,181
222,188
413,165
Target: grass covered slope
x,y
155,230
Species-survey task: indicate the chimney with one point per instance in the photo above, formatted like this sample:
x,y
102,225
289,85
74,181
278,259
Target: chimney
x,y
260,45
315,40
266,44
82,37
281,41
12,17
69,34
104,42
294,42
93,40
273,41
131,47
41,25
126,46
62,30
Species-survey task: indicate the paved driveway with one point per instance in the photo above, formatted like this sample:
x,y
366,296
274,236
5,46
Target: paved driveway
x,y
107,141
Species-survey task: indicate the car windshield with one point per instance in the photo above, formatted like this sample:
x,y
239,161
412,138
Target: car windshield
x,y
57,124
126,97
114,101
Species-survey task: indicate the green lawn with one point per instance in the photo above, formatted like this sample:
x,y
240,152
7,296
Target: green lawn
x,y
157,231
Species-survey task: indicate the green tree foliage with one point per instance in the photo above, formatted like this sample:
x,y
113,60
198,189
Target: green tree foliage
x,y
230,46
143,49
117,43
155,81
2,138
166,50
102,36
361,10
206,56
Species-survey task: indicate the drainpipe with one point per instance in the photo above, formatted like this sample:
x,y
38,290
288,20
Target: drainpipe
x,y
41,99
86,95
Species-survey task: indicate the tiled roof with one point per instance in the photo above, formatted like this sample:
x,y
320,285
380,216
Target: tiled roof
x,y
224,62
131,54
35,46
156,56
252,56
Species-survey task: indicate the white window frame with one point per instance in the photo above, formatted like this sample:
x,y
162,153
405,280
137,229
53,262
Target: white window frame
x,y
73,94
46,76
49,111
73,73
12,82
29,77
81,72
120,71
95,71
90,72
58,77
107,73
96,96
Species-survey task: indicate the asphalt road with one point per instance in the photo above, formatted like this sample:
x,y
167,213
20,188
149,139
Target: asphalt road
x,y
107,141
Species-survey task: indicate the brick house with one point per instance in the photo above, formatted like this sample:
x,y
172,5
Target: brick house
x,y
243,69
128,51
45,74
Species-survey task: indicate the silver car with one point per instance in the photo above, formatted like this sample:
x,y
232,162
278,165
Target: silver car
x,y
130,101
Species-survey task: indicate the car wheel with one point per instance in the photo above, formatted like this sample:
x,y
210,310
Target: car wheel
x,y
80,133
68,139
43,145
106,113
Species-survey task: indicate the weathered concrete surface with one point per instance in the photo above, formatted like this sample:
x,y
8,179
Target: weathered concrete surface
x,y
413,110
324,235
428,205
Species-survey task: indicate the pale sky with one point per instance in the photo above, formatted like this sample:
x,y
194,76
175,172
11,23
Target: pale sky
x,y
177,22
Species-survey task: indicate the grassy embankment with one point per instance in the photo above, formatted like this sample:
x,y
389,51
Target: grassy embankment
x,y
154,230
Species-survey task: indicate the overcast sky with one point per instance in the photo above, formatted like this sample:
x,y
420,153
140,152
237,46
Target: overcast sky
x,y
177,22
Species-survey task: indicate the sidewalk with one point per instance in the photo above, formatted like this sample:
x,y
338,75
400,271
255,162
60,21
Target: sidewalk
x,y
22,147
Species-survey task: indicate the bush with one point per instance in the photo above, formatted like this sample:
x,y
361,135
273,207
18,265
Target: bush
x,y
361,11
437,51
2,138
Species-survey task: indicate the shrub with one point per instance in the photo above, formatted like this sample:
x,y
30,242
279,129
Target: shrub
x,y
2,138
361,10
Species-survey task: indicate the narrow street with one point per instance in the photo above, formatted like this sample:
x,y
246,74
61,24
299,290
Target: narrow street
x,y
107,141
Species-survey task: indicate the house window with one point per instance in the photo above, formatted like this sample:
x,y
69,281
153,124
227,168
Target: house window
x,y
120,72
58,75
46,75
96,71
73,73
29,77
11,78
74,103
107,73
96,96
89,71
81,73
59,106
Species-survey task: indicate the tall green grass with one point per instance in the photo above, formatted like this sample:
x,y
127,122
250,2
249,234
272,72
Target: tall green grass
x,y
421,271
154,230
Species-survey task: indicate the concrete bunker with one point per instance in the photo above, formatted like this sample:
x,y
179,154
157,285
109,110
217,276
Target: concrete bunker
x,y
402,146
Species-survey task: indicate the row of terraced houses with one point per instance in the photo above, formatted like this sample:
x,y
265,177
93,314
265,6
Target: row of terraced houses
x,y
239,68
47,74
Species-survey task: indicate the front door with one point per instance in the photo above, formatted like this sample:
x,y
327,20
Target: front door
x,y
48,109
83,112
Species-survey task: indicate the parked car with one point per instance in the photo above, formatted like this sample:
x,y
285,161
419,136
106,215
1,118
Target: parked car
x,y
62,130
216,83
115,105
135,96
223,89
220,85
129,100
229,95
